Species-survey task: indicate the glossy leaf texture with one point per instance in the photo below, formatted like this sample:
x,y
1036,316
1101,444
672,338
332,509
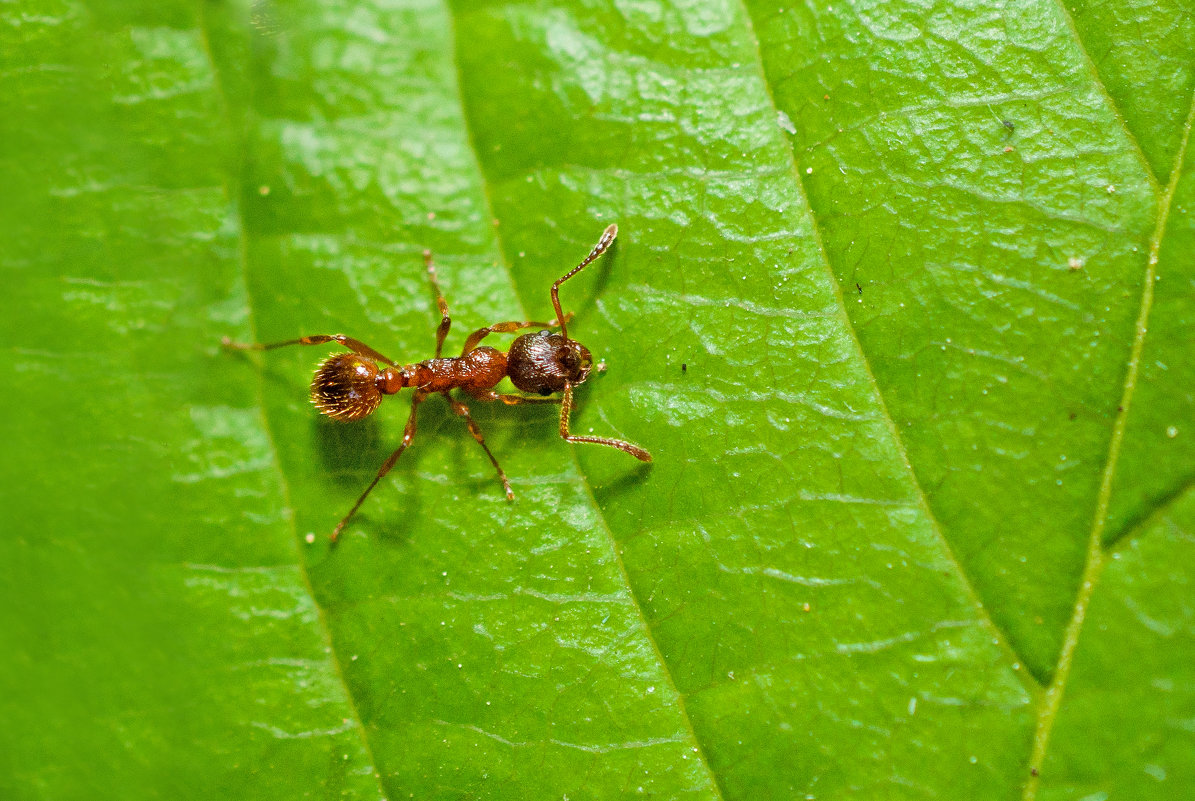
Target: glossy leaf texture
x,y
900,304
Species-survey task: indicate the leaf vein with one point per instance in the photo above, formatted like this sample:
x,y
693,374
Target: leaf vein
x,y
1069,21
715,782
920,499
233,186
1097,550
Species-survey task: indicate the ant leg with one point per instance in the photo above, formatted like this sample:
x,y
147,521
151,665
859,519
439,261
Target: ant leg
x,y
509,400
566,407
407,435
445,320
463,410
507,328
355,345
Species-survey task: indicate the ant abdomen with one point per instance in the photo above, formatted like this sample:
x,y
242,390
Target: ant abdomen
x,y
345,387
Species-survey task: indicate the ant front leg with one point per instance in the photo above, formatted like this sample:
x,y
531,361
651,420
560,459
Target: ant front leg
x,y
408,434
507,328
509,400
355,345
566,408
445,320
463,410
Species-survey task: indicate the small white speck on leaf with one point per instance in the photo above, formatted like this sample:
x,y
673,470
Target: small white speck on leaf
x,y
1172,432
310,538
1156,772
785,122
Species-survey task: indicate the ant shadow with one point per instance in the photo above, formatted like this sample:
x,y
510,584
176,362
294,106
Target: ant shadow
x,y
629,479
351,454
347,449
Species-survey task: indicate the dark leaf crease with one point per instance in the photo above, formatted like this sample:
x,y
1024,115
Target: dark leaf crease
x,y
1069,21
921,500
233,191
648,633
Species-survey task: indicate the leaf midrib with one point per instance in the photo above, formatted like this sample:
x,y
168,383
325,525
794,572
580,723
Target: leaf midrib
x,y
1050,696
624,577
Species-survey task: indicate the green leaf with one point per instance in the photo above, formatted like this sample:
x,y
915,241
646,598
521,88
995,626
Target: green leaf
x,y
900,305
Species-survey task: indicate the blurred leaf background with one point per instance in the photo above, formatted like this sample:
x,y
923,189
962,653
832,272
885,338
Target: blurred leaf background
x,y
901,305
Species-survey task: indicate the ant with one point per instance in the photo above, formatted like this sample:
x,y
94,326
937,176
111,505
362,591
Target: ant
x,y
350,386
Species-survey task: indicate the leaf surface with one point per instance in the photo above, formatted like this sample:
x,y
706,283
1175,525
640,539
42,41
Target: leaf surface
x,y
899,305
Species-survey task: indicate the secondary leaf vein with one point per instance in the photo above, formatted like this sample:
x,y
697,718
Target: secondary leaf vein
x,y
1103,90
1097,551
920,499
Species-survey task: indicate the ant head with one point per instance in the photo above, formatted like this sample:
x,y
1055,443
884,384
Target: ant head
x,y
544,362
345,387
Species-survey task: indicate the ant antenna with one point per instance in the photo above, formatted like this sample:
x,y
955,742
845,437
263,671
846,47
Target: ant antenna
x,y
598,249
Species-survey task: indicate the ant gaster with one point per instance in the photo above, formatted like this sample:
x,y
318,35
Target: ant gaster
x,y
350,386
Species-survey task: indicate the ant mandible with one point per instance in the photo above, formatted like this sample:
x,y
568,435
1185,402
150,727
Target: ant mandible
x,y
350,386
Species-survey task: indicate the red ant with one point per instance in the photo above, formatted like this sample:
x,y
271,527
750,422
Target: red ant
x,y
349,386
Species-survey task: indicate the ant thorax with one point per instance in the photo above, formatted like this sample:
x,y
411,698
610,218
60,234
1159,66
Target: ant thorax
x,y
544,362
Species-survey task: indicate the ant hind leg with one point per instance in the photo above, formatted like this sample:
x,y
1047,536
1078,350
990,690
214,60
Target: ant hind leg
x,y
355,345
408,434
